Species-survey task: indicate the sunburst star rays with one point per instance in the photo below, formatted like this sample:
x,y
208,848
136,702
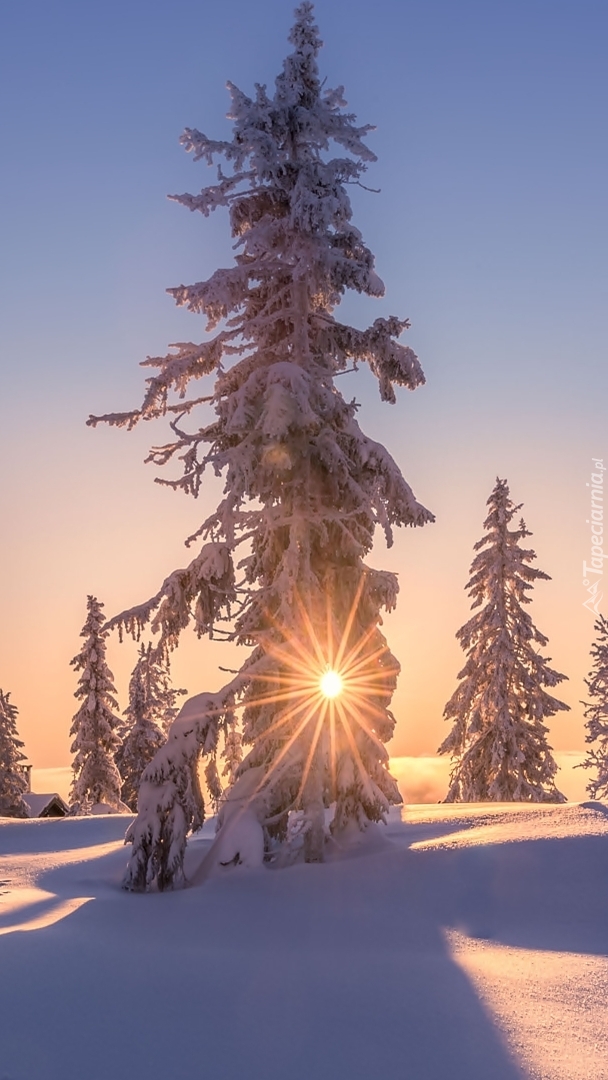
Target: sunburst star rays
x,y
323,696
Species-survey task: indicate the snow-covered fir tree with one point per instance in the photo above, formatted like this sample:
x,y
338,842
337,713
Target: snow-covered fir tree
x,y
167,694
498,741
232,756
232,752
596,714
281,568
161,696
94,727
13,783
142,732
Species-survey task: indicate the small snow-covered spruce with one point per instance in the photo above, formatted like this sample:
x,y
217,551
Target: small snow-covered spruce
x,y
161,696
94,727
141,732
499,742
304,487
166,693
232,756
13,783
596,714
232,753
170,802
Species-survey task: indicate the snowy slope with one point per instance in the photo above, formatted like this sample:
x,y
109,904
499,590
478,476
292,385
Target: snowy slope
x,y
462,943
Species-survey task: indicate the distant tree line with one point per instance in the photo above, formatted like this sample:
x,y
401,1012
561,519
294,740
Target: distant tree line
x,y
498,741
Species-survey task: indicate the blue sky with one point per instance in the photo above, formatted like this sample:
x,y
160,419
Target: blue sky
x,y
490,232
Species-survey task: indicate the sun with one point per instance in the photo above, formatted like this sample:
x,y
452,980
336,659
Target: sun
x,y
329,696
330,684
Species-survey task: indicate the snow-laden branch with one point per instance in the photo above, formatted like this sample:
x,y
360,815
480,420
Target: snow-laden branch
x,y
203,591
170,801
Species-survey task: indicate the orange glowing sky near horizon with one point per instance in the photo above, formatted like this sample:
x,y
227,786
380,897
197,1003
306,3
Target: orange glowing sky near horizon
x,y
46,612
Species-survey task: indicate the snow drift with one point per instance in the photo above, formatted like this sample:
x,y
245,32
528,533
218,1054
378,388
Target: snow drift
x,y
462,942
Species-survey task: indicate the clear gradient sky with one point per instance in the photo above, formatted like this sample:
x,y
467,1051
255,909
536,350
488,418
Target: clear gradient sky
x,y
490,232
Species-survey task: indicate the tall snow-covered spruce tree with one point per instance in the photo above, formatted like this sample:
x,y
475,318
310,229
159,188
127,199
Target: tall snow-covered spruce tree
x,y
498,741
96,779
151,698
13,783
281,568
596,714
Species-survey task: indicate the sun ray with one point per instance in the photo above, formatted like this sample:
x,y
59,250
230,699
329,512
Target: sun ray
x,y
313,747
291,682
349,661
284,656
329,632
284,718
349,622
311,630
298,674
371,734
272,699
282,678
295,657
365,777
285,749
274,768
354,661
323,684
332,748
373,682
293,639
365,697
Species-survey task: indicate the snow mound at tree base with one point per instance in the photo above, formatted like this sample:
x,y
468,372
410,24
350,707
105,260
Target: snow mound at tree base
x,y
106,808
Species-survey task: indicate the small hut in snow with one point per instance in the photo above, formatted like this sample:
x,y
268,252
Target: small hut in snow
x,y
45,806
49,805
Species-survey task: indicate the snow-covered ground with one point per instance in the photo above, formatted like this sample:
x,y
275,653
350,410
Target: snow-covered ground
x,y
458,943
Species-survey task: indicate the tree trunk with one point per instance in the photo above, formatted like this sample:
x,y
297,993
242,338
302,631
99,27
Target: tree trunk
x,y
314,812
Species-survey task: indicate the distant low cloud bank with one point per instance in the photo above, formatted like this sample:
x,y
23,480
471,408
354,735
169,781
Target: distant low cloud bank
x,y
425,779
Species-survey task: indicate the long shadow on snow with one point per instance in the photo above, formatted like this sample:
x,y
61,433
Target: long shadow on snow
x,y
48,835
538,894
334,971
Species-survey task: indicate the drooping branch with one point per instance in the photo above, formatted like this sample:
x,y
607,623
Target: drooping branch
x,y
203,591
170,801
